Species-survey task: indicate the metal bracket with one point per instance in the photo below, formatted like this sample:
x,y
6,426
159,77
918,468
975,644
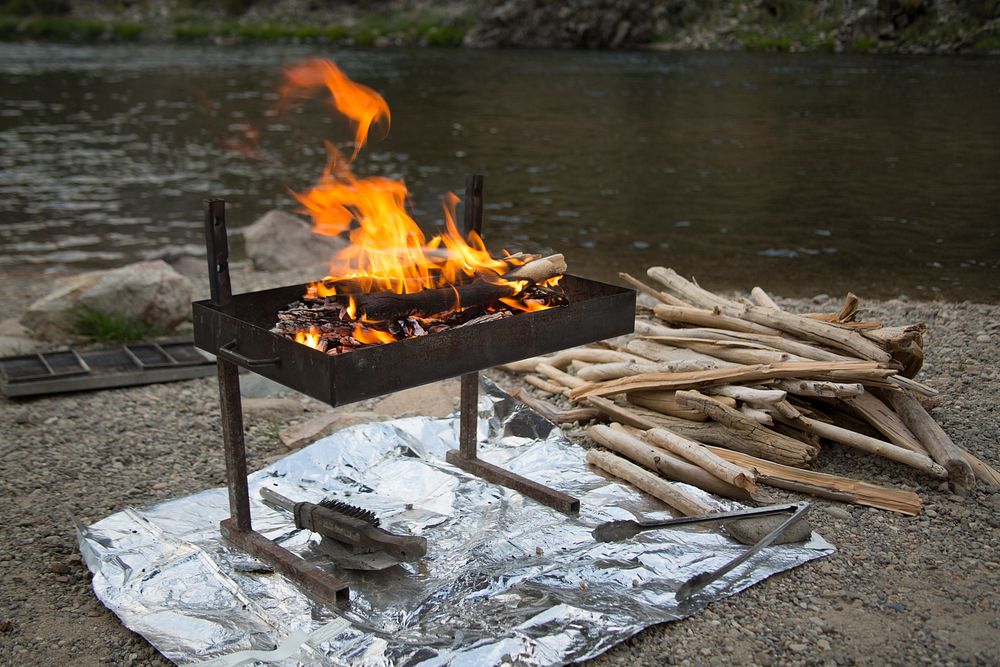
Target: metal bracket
x,y
217,244
229,353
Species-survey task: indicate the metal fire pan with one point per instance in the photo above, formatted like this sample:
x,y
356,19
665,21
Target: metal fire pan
x,y
241,333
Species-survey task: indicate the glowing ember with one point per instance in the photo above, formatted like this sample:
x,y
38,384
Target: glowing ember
x,y
388,253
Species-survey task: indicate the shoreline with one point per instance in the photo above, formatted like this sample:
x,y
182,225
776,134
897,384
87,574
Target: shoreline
x,y
918,27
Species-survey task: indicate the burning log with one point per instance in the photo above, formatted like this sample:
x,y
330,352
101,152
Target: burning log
x,y
478,292
344,321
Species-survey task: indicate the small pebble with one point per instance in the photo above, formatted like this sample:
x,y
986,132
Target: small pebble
x,y
837,512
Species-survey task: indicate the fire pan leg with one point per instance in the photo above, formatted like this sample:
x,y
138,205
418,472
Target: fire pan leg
x,y
232,436
314,581
466,458
238,529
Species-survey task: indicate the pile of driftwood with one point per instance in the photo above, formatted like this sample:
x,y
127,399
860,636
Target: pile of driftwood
x,y
728,394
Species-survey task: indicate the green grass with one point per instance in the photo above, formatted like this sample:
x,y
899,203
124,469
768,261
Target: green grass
x,y
990,43
34,7
426,28
865,44
59,28
262,32
755,41
447,35
110,327
127,32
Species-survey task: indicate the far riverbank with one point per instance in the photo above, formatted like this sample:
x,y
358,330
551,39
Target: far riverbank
x,y
835,26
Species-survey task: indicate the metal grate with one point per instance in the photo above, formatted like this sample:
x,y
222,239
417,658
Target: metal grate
x,y
127,365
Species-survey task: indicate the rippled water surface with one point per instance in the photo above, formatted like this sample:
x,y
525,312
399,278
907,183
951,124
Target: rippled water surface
x,y
801,173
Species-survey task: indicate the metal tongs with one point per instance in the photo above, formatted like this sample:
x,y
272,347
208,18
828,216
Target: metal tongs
x,y
613,531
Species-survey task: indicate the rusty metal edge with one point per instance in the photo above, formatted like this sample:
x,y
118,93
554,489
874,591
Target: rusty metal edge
x,y
315,582
549,497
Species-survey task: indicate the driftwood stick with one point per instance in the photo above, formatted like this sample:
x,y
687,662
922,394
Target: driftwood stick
x,y
821,332
621,413
984,472
868,444
664,297
539,269
565,357
665,403
935,441
762,299
768,443
665,463
738,352
675,356
709,318
560,377
771,444
818,388
619,369
748,439
718,376
905,344
758,416
671,494
691,292
903,382
545,385
849,308
795,347
886,422
696,453
818,483
748,394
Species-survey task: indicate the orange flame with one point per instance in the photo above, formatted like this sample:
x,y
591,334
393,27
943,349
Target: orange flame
x,y
310,338
370,336
360,104
388,251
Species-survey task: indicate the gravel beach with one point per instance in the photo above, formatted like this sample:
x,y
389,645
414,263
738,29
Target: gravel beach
x,y
900,590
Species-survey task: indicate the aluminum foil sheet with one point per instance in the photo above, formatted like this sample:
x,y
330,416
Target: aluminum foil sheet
x,y
505,580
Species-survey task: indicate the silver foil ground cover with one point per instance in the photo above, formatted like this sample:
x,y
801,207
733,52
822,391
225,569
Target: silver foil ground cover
x,y
505,580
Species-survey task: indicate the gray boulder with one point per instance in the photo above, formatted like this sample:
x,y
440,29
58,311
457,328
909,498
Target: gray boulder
x,y
279,241
149,292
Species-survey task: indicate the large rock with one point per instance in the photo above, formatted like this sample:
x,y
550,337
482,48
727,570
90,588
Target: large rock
x,y
148,292
279,241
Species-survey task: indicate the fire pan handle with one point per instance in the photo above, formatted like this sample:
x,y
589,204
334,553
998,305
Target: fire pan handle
x,y
229,353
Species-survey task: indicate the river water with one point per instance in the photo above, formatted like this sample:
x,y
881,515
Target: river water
x,y
799,173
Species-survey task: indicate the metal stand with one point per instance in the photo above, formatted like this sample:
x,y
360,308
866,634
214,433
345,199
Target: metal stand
x,y
238,528
465,457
